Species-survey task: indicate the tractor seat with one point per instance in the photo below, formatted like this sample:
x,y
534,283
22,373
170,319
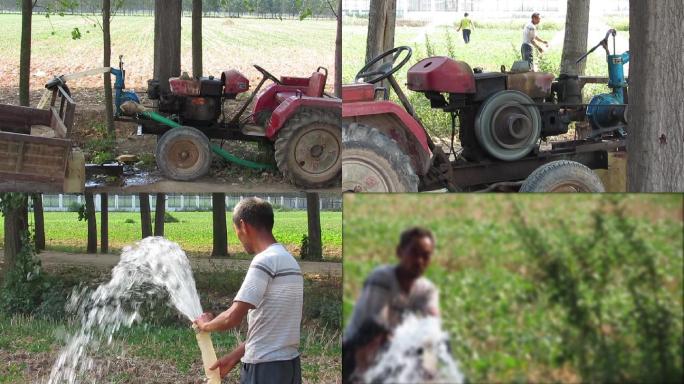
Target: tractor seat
x,y
313,87
316,85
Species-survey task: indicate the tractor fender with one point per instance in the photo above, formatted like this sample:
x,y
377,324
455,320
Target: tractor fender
x,y
294,104
396,123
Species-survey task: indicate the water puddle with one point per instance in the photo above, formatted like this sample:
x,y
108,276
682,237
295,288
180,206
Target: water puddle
x,y
151,267
417,353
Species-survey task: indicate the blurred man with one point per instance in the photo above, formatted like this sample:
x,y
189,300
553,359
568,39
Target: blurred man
x,y
389,294
466,25
271,296
531,39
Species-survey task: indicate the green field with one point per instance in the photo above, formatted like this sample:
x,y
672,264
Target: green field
x,y
287,47
193,231
506,306
491,47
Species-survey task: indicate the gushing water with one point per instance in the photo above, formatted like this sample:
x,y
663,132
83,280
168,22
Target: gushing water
x,y
418,352
151,266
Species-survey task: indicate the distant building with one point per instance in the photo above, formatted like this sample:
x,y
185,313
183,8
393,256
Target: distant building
x,y
420,9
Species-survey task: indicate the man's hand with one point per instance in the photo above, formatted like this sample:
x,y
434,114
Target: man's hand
x,y
202,320
226,364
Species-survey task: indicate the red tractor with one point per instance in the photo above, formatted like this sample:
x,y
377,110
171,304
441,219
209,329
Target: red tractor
x,y
293,113
502,119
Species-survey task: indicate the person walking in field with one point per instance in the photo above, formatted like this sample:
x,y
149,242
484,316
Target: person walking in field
x,y
390,293
531,39
271,296
467,26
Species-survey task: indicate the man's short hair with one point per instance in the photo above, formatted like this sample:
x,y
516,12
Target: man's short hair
x,y
414,233
254,211
536,14
466,14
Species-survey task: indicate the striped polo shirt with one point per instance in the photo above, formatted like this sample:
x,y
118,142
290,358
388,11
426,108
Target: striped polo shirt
x,y
275,287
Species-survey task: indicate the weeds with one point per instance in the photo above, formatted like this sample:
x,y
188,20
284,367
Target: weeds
x,y
581,271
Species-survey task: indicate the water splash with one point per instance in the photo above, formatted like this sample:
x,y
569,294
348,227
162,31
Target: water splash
x,y
418,352
150,267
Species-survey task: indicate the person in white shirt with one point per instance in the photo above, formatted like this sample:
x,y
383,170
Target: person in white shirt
x,y
531,39
271,296
390,293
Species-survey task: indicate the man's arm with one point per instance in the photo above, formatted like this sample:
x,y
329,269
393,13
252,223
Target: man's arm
x,y
539,39
229,361
230,318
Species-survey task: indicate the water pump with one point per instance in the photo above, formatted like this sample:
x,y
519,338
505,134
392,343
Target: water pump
x,y
607,112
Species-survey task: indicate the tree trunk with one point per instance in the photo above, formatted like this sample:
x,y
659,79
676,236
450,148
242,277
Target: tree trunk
x,y
159,213
313,214
38,222
92,223
381,22
107,38
220,248
145,216
656,117
104,223
338,52
197,38
576,34
167,42
15,226
25,54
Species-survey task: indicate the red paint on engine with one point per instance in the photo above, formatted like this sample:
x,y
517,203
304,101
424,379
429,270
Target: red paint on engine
x,y
441,74
234,82
184,87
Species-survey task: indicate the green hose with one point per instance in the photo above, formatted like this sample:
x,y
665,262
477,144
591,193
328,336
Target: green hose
x,y
214,148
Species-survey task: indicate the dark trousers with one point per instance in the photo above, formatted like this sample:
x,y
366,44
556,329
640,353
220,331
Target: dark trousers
x,y
272,372
526,52
466,35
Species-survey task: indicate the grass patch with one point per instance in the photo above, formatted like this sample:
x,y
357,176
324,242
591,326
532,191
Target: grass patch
x,y
63,232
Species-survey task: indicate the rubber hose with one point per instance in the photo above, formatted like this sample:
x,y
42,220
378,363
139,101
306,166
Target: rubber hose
x,y
215,148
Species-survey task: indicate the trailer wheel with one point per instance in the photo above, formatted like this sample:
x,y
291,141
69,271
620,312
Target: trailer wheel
x,y
183,154
508,126
562,176
308,149
373,162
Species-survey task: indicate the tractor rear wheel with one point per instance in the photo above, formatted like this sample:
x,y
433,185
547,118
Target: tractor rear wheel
x,y
183,154
373,162
562,176
308,149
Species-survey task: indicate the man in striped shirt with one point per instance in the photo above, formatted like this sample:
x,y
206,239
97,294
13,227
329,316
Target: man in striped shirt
x,y
271,296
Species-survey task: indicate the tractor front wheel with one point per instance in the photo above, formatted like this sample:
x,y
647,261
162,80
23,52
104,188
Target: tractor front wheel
x,y
373,162
183,154
308,149
562,176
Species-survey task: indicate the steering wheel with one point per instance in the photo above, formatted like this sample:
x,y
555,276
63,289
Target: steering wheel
x,y
267,74
384,70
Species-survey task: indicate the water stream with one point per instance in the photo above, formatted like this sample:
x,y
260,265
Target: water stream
x,y
418,352
149,268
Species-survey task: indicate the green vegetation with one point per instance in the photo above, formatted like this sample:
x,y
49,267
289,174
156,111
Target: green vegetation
x,y
564,288
63,232
492,45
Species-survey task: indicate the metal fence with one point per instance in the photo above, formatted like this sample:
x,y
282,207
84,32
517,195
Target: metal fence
x,y
184,202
